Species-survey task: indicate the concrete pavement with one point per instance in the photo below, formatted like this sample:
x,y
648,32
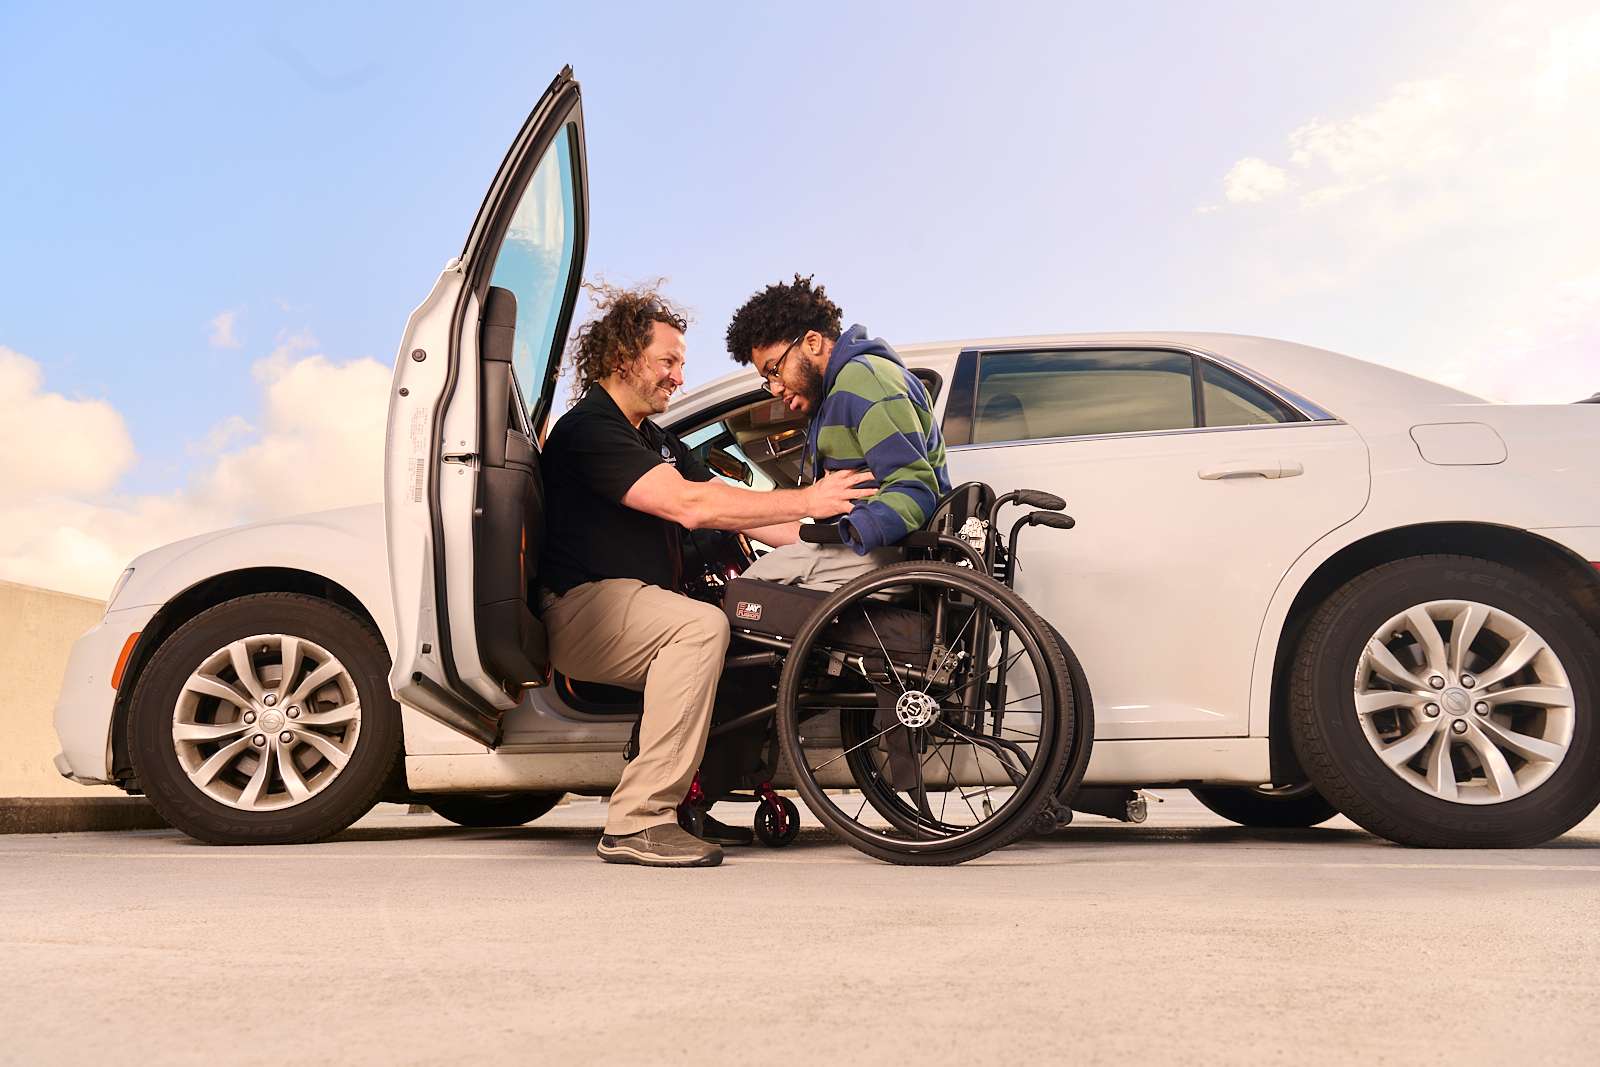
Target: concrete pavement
x,y
408,940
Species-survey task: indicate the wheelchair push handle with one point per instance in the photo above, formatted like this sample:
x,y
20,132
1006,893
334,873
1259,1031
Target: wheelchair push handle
x,y
1053,519
1029,498
1038,498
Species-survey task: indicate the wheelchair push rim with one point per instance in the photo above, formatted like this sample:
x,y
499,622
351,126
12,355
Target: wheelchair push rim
x,y
941,780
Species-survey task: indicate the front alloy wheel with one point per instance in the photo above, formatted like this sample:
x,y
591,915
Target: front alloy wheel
x,y
266,720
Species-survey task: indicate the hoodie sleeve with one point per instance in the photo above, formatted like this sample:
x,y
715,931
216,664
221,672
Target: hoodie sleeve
x,y
893,441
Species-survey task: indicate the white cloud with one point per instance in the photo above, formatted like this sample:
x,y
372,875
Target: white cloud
x,y
319,445
53,444
222,335
220,436
321,441
1253,179
1447,224
1416,127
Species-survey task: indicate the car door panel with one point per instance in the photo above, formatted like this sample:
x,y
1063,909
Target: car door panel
x,y
462,500
1163,585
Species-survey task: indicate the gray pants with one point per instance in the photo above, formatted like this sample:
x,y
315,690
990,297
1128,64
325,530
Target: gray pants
x,y
819,566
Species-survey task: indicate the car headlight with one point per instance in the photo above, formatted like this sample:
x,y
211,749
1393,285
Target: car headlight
x,y
122,580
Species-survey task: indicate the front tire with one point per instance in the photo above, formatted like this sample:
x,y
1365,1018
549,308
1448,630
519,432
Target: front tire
x,y
266,720
1449,702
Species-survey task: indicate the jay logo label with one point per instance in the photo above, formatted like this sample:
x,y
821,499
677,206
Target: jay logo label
x,y
746,610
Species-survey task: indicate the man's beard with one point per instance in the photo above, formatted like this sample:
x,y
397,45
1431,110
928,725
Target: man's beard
x,y
811,386
646,388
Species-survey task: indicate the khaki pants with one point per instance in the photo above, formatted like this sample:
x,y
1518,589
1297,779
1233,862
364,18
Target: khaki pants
x,y
819,566
624,632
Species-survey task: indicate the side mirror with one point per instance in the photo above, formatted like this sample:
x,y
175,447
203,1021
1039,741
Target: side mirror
x,y
729,466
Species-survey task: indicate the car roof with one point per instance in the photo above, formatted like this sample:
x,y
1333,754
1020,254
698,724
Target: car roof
x,y
1340,384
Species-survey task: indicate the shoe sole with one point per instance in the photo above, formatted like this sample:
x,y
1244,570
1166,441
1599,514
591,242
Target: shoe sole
x,y
624,854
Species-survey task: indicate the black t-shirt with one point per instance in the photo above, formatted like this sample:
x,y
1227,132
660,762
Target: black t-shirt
x,y
591,460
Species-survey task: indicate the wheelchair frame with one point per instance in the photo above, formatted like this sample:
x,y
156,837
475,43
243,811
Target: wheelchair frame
x,y
960,552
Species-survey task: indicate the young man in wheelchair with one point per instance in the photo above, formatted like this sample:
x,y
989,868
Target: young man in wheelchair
x,y
619,494
868,412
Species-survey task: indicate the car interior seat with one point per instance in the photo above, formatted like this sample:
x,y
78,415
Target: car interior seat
x,y
508,529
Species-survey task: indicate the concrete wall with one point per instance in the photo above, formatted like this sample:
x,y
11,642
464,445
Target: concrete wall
x,y
37,628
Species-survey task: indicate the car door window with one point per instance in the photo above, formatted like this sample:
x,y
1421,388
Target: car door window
x,y
1023,396
1229,400
534,260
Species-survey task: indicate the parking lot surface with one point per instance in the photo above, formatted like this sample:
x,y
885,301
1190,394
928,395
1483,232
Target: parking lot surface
x,y
409,940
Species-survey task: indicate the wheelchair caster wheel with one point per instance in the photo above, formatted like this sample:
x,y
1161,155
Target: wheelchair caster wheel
x,y
777,824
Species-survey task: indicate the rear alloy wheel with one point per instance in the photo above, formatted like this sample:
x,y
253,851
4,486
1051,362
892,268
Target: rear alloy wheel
x,y
489,810
266,720
1267,806
1449,702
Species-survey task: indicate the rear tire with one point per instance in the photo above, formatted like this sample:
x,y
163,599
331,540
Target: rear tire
x,y
1294,808
491,810
338,774
1419,765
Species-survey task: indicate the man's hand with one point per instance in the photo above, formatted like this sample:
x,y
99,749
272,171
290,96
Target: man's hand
x,y
663,492
835,493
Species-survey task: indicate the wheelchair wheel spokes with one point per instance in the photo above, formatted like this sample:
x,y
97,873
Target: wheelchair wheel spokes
x,y
956,785
944,769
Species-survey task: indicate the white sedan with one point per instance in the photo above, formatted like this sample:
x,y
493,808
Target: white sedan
x,y
1299,582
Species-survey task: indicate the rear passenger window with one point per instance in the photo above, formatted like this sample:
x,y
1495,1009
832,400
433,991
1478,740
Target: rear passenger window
x,y
1232,401
1026,396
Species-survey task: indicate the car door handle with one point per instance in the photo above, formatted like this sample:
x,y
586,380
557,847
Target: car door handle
x,y
1250,469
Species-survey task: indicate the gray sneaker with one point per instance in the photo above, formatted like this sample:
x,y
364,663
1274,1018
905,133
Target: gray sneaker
x,y
664,845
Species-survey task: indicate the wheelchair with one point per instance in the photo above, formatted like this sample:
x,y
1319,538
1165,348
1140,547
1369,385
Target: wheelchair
x,y
924,712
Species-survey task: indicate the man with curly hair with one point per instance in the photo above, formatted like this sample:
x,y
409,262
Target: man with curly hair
x,y
868,412
619,493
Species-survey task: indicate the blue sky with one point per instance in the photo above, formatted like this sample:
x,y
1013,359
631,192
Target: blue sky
x,y
948,170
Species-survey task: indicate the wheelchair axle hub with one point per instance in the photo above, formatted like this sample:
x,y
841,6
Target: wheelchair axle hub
x,y
916,708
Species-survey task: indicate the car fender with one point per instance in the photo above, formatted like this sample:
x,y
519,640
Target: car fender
x,y
1537,489
345,546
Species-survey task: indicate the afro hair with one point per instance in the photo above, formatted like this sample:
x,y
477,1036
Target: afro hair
x,y
780,313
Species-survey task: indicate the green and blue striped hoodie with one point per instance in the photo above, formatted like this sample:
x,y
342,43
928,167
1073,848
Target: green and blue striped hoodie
x,y
875,414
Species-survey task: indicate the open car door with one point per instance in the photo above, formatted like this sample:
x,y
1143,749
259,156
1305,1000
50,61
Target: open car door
x,y
473,381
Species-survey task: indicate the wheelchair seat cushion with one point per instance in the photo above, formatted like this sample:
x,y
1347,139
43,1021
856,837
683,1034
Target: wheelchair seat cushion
x,y
776,610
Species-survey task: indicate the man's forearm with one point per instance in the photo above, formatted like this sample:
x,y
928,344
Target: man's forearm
x,y
777,535
716,506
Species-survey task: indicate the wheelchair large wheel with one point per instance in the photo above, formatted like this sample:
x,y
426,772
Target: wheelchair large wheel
x,y
893,687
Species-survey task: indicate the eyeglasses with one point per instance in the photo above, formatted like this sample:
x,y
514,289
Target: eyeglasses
x,y
770,375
